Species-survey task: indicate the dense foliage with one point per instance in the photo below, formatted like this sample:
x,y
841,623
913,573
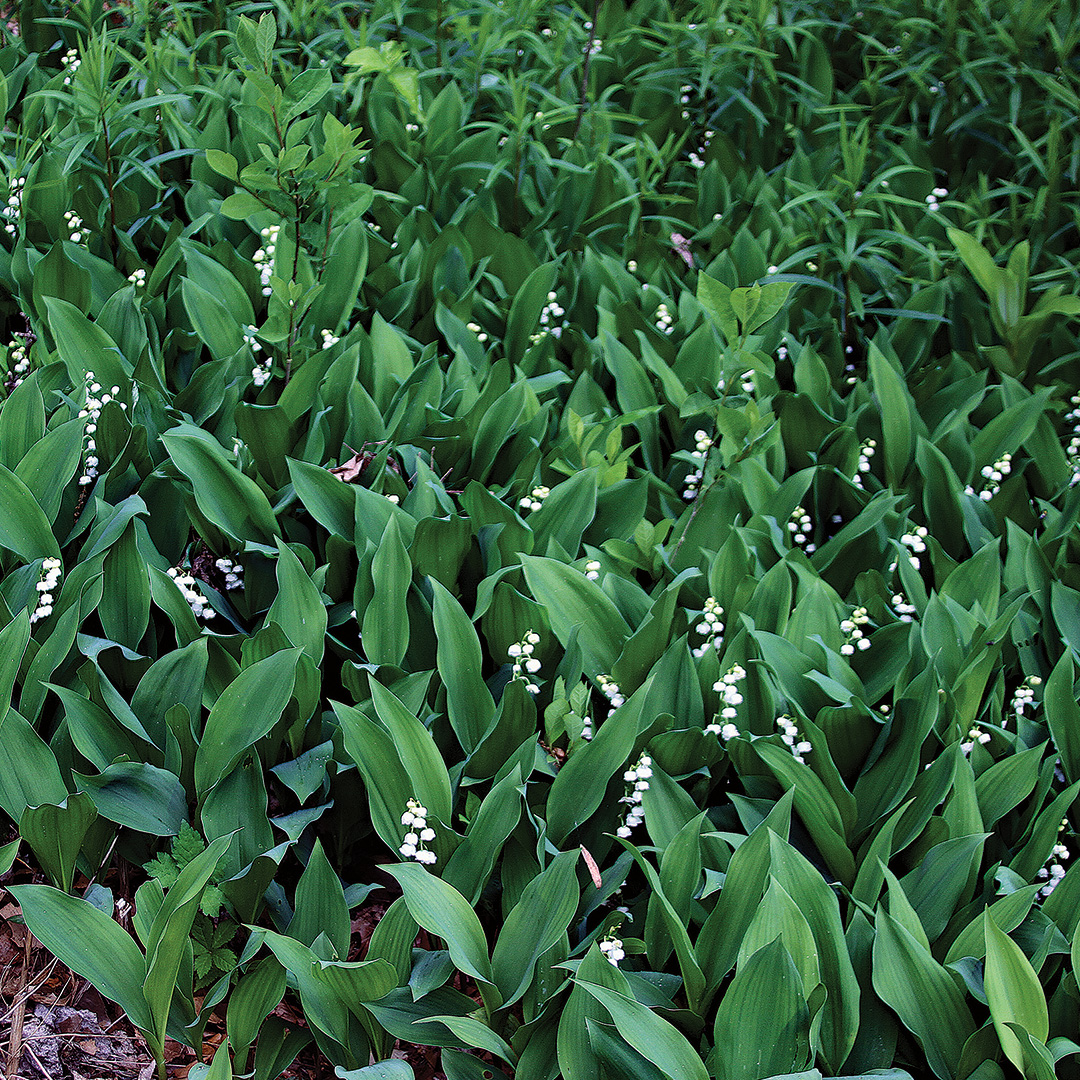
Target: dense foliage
x,y
608,490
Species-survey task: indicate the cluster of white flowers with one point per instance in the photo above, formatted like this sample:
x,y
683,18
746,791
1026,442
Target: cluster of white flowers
x,y
91,412
801,527
262,372
612,947
329,340
420,833
552,310
790,737
610,689
71,63
915,542
1072,450
1024,698
592,570
138,278
711,627
902,608
13,208
992,476
200,606
19,352
975,735
866,452
595,45
746,383
50,578
852,627
264,257
932,203
637,783
233,571
727,686
702,445
696,159
665,321
535,499
1054,870
74,223
412,129
478,330
525,664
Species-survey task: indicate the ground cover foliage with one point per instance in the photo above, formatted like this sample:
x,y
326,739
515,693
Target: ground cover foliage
x,y
600,481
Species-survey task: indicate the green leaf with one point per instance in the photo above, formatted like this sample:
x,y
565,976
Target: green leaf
x,y
978,261
416,751
222,162
649,1034
762,1027
922,993
231,500
88,942
140,796
441,910
460,661
1013,992
56,832
535,923
29,774
320,905
13,641
246,710
24,528
577,606
384,628
256,995
298,608
580,784
1062,714
167,939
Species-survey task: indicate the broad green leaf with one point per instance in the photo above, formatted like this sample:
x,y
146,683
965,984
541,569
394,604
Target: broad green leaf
x,y
384,627
389,786
140,796
762,1026
536,922
1013,992
13,641
649,1034
246,710
441,910
256,995
574,604
579,786
1062,714
167,940
56,832
231,500
320,905
416,750
88,942
29,774
24,528
922,993
298,608
460,661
